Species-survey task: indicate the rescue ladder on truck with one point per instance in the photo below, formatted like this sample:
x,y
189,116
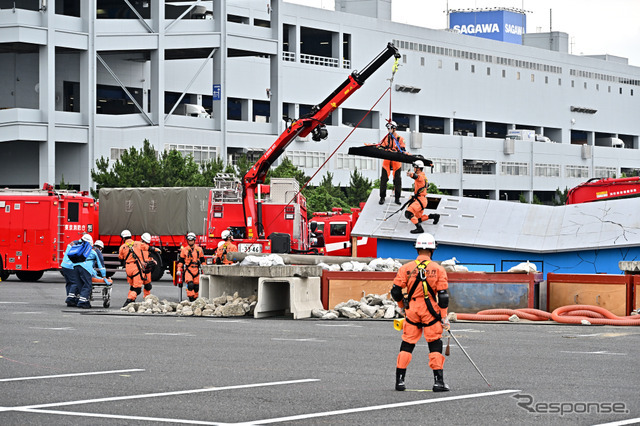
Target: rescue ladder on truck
x,y
60,236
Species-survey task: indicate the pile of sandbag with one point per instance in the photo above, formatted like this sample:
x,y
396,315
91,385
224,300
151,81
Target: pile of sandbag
x,y
373,306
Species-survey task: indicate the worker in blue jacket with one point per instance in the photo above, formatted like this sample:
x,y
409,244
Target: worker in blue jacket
x,y
84,271
71,283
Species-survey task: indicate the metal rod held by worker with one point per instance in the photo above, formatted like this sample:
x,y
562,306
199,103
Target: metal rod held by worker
x,y
470,360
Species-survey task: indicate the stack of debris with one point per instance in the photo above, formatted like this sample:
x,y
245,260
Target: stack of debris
x,y
373,306
379,264
223,306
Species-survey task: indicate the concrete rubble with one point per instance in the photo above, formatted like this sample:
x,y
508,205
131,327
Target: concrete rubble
x,y
372,306
222,306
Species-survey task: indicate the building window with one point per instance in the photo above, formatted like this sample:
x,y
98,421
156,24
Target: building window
x,y
404,59
547,170
585,84
514,169
456,66
620,90
609,89
518,75
200,153
598,87
488,71
559,82
573,83
577,172
445,165
504,73
350,162
473,68
546,79
605,172
306,158
439,63
116,153
422,61
533,78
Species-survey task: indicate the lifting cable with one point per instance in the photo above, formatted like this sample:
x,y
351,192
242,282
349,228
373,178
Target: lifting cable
x,y
394,69
571,314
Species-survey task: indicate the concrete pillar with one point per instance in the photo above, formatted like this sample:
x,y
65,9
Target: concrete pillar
x,y
219,106
157,83
47,101
275,65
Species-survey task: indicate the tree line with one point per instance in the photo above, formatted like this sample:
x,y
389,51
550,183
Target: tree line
x,y
145,168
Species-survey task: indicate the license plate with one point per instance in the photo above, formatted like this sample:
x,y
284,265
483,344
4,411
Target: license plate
x,y
249,248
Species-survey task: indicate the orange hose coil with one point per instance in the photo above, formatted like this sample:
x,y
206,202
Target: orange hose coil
x,y
572,314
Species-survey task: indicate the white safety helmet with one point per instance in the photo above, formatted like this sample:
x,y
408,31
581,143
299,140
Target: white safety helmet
x,y
221,243
418,164
125,234
191,236
88,238
392,125
425,241
146,238
226,234
99,243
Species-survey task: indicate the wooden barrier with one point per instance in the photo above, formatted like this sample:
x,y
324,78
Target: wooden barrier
x,y
611,292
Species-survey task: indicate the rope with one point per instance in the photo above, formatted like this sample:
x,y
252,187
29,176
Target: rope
x,y
571,314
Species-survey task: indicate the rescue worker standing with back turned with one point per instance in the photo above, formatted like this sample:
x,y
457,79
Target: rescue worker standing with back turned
x,y
425,309
224,248
415,210
394,142
145,238
135,259
191,257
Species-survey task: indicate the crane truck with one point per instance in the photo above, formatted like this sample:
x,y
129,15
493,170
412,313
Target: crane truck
x,y
597,189
279,223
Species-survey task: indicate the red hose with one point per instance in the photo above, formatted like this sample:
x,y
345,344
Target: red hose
x,y
572,314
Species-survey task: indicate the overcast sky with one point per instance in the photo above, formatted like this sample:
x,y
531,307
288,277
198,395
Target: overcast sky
x,y
594,26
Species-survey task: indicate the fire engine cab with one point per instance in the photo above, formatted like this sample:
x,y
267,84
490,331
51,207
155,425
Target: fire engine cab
x,y
37,224
331,232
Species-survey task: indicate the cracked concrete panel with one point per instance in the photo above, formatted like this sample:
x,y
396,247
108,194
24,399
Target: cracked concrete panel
x,y
514,226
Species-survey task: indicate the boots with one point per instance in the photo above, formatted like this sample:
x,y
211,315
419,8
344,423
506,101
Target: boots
x,y
381,200
439,385
435,217
400,372
126,302
418,229
192,299
397,200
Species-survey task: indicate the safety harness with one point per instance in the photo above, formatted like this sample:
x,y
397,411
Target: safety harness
x,y
138,263
193,260
396,142
429,294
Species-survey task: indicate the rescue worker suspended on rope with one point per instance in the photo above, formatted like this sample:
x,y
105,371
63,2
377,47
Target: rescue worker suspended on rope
x,y
392,142
416,208
191,257
425,307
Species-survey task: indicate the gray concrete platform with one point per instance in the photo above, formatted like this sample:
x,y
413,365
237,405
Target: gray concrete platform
x,y
61,366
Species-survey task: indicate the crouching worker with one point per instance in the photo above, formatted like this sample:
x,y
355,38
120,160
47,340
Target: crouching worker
x,y
191,257
415,210
225,247
425,308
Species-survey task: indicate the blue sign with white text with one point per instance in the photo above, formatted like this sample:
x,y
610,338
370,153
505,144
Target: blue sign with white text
x,y
501,25
217,92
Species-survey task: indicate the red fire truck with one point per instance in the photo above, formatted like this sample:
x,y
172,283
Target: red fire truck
x,y
37,224
604,189
331,231
279,224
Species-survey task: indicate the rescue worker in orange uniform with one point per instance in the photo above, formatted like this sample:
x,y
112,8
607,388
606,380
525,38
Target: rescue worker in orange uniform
x,y
394,142
151,264
415,210
191,257
425,307
224,248
135,257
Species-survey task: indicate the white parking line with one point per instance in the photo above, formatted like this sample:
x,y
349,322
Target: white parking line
x,y
159,394
14,303
377,407
170,334
339,325
15,379
311,339
53,328
592,353
117,416
621,422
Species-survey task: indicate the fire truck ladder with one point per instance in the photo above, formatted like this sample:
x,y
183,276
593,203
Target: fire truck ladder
x,y
226,189
60,236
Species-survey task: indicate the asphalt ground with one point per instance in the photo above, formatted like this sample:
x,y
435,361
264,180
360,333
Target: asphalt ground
x,y
61,366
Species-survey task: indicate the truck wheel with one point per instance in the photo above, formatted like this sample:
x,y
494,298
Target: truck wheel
x,y
158,271
29,275
3,273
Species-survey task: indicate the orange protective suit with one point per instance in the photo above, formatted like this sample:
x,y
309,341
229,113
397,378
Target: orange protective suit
x,y
393,142
221,252
191,257
135,255
417,312
417,207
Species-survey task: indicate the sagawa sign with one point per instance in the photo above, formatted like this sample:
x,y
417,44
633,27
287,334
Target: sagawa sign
x,y
497,25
